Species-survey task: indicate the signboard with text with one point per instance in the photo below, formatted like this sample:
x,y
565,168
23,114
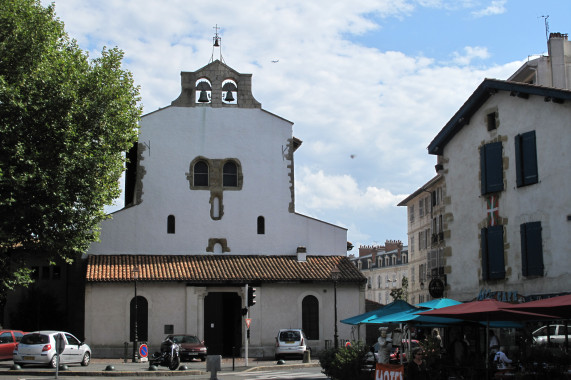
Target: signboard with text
x,y
389,372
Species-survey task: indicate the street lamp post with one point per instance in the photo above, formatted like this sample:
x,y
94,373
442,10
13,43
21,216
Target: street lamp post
x,y
135,273
335,274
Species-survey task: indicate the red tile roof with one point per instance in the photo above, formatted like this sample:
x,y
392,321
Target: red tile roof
x,y
219,268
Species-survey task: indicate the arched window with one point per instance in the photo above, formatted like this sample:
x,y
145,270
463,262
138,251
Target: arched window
x,y
142,319
261,225
170,224
230,175
310,317
201,174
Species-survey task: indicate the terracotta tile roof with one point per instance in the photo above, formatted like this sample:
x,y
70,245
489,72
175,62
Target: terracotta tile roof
x,y
219,268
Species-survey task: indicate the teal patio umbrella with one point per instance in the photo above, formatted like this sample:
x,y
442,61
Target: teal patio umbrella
x,y
394,307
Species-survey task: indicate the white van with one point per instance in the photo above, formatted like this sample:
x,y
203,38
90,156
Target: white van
x,y
556,334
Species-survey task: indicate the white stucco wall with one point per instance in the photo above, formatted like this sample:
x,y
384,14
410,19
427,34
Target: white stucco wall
x,y
278,306
259,140
546,201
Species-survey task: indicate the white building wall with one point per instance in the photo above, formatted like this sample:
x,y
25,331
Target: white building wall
x,y
278,306
545,201
259,140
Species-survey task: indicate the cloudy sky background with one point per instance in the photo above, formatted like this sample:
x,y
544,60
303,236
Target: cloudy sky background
x,y
368,83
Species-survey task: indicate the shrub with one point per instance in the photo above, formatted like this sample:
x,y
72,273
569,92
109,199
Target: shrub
x,y
345,363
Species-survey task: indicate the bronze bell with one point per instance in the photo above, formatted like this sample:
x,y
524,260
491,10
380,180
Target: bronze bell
x,y
203,97
229,97
216,43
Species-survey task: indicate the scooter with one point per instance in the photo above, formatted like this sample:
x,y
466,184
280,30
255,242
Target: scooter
x,y
168,357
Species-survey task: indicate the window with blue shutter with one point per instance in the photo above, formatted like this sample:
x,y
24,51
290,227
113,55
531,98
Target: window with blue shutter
x,y
526,159
492,241
491,168
531,249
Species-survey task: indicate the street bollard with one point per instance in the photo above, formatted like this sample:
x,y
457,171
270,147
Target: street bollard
x,y
213,365
126,352
307,356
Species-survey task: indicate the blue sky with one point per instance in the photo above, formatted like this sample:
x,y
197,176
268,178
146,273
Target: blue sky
x,y
368,83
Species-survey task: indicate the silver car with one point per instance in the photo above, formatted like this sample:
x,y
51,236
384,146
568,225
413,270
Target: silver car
x,y
290,342
39,347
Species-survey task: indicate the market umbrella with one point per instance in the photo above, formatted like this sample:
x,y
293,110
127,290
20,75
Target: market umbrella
x,y
486,310
412,316
559,306
394,307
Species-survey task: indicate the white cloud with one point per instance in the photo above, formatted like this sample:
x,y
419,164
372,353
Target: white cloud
x,y
495,8
470,53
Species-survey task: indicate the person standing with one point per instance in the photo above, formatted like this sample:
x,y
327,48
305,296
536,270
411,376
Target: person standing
x,y
416,369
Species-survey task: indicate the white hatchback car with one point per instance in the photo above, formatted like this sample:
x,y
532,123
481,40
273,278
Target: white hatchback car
x,y
39,347
290,342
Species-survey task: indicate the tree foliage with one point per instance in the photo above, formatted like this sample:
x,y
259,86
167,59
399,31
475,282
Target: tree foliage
x,y
402,292
65,121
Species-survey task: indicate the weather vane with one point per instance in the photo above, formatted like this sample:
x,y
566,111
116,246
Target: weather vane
x,y
216,43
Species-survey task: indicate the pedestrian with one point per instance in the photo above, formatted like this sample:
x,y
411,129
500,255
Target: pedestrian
x,y
501,359
416,368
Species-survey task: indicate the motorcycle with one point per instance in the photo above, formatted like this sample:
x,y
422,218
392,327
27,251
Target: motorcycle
x,y
168,357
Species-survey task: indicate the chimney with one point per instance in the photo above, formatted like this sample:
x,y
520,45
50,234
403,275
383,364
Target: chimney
x,y
301,254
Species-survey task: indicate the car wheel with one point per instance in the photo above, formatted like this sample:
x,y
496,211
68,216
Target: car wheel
x,y
54,361
202,359
86,359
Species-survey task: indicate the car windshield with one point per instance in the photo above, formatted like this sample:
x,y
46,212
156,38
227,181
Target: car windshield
x,y
185,339
290,336
35,339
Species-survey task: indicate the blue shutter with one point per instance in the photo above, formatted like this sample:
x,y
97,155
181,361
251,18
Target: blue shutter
x,y
531,249
484,248
492,239
526,159
491,168
496,252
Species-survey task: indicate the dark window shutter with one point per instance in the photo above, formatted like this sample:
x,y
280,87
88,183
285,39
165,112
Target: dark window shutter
x,y
484,248
170,224
491,168
496,252
531,249
526,159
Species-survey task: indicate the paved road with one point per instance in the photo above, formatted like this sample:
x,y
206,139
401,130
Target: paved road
x,y
114,368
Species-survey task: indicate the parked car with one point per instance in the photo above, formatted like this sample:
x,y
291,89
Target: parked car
x,y
190,347
556,334
290,342
39,347
8,340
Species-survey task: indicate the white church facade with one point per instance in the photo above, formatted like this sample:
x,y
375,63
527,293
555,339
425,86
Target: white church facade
x,y
209,209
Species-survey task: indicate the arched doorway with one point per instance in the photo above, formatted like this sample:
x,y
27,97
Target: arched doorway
x,y
142,313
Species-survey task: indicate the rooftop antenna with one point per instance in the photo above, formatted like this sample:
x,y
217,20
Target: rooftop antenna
x,y
216,43
546,26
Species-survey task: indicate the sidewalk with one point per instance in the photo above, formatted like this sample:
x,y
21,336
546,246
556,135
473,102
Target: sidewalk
x,y
117,367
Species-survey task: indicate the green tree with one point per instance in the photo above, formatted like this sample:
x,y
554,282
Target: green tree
x,y
65,123
402,292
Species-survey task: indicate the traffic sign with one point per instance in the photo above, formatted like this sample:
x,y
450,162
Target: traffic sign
x,y
248,321
143,351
